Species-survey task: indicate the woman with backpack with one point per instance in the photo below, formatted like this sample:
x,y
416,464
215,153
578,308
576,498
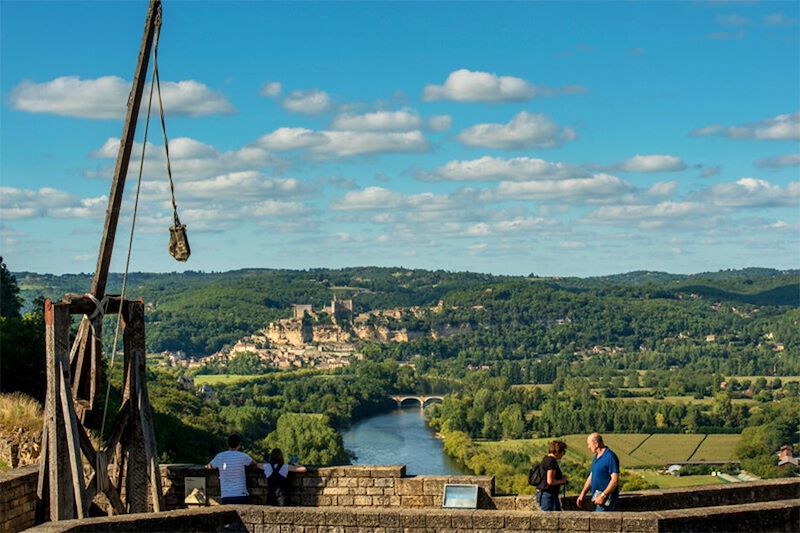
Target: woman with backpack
x,y
277,474
552,478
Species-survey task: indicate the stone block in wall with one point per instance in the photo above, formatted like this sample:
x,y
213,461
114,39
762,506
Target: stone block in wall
x,y
605,522
518,521
345,500
368,518
461,519
384,482
544,522
411,518
409,487
381,501
640,522
438,520
526,503
412,501
362,501
366,482
505,503
341,517
574,521
487,520
312,482
310,517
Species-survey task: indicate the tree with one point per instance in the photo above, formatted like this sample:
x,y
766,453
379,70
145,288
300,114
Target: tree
x,y
310,437
10,303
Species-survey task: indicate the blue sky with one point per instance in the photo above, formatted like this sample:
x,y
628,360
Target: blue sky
x,y
550,138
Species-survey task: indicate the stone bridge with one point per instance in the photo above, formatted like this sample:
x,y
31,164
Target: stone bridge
x,y
424,401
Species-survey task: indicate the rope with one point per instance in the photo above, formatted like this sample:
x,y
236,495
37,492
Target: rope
x,y
157,80
133,224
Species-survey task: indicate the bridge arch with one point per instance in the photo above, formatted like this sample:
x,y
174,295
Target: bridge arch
x,y
423,400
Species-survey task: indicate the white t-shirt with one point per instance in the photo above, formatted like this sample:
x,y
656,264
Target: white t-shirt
x,y
232,479
283,471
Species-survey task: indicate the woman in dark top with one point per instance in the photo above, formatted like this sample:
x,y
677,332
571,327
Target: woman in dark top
x,y
547,495
277,474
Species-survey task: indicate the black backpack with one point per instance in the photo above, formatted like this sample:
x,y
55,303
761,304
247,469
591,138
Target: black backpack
x,y
537,477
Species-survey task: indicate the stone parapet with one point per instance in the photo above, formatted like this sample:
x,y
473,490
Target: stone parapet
x,y
18,498
351,486
764,516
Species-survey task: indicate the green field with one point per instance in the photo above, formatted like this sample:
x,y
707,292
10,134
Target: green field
x,y
666,481
720,448
225,379
635,450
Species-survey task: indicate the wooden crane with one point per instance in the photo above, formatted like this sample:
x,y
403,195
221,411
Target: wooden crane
x,y
125,468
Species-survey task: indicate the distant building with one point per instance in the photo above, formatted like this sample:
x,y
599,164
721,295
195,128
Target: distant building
x,y
786,457
300,310
341,311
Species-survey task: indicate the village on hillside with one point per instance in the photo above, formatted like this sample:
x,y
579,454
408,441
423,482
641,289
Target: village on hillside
x,y
326,338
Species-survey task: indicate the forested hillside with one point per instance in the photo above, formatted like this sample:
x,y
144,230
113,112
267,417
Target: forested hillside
x,y
199,313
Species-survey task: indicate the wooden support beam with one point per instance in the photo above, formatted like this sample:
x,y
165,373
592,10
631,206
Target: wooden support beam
x,y
80,304
61,498
124,154
70,425
136,478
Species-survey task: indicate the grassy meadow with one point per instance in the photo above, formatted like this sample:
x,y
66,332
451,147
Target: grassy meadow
x,y
635,450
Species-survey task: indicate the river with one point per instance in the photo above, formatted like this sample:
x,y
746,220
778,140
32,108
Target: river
x,y
399,437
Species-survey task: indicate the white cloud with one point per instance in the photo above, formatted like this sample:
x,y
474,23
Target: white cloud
x,y
665,188
710,172
780,128
371,198
470,86
106,98
191,159
403,120
308,102
48,202
525,131
751,192
776,20
271,89
506,227
789,160
333,144
661,211
652,163
274,209
492,168
234,187
284,139
597,186
732,19
440,123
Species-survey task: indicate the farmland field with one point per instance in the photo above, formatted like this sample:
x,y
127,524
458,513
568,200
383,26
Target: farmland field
x,y
647,450
660,448
226,379
716,448
673,482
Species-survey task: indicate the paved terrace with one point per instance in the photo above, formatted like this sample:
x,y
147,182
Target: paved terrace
x,y
384,499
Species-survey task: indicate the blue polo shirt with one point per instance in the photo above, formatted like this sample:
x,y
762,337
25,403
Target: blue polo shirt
x,y
602,468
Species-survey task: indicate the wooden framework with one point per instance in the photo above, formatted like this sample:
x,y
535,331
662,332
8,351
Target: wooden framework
x,y
125,469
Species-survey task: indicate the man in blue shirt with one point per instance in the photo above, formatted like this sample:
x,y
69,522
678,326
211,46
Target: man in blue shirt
x,y
603,481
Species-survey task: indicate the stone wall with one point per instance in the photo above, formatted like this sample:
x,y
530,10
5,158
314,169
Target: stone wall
x,y
351,486
765,516
18,498
359,499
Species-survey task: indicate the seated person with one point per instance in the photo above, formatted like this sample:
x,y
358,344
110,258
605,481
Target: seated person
x,y
277,474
